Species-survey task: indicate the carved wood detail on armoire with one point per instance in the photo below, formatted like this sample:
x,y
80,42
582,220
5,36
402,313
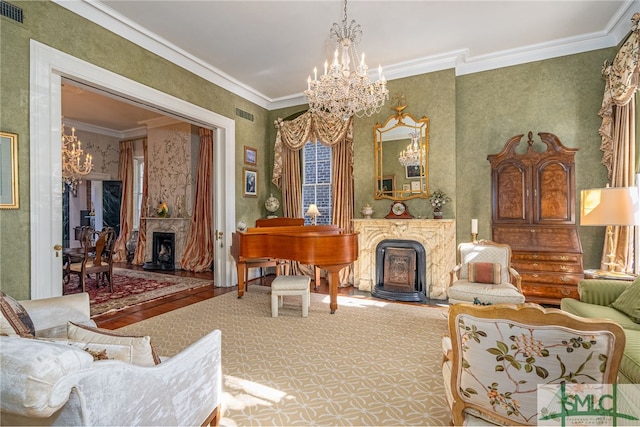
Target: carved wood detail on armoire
x,y
533,194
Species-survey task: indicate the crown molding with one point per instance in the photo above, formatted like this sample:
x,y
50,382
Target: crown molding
x,y
125,134
98,13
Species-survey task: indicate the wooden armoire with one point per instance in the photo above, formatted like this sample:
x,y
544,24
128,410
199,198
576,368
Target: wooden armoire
x,y
533,194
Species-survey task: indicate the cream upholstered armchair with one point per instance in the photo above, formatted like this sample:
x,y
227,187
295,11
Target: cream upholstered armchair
x,y
496,356
484,275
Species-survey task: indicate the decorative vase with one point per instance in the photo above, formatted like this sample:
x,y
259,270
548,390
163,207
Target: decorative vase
x,y
437,213
367,211
131,245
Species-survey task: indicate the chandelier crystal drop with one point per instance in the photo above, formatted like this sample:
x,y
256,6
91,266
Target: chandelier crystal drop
x,y
74,167
342,91
415,153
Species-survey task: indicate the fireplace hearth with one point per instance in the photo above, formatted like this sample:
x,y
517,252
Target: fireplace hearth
x,y
163,252
400,271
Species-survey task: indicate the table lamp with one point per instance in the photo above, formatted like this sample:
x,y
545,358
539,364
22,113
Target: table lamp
x,y
609,207
313,212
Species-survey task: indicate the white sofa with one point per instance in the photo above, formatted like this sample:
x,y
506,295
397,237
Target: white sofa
x,y
53,383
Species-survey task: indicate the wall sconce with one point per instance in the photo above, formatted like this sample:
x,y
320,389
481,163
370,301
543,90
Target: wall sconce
x,y
609,207
313,212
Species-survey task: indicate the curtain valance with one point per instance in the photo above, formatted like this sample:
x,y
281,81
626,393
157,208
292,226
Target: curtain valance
x,y
294,134
622,78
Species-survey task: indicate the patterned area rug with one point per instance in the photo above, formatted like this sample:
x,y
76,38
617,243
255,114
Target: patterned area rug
x,y
131,288
371,363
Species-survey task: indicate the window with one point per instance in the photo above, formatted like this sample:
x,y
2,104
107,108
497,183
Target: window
x,y
138,174
316,181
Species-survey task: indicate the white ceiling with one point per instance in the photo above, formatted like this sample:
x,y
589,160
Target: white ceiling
x,y
264,50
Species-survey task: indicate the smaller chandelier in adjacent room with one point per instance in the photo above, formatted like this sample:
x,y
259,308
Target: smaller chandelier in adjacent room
x,y
342,91
74,166
415,153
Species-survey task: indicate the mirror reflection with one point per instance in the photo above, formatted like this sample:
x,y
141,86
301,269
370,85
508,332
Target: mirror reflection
x,y
402,156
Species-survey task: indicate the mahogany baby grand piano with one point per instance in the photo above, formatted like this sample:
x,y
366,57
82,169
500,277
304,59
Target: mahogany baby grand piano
x,y
325,246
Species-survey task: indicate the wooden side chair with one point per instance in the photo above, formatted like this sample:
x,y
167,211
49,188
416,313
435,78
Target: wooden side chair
x,y
98,257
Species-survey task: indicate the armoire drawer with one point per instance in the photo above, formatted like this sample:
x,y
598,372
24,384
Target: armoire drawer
x,y
551,278
537,266
550,291
547,257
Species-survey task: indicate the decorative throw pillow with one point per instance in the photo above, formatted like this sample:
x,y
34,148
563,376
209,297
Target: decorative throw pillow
x,y
484,272
143,352
15,319
99,351
628,301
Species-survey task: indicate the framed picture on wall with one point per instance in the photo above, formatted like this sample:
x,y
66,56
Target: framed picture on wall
x,y
415,186
250,180
387,184
8,170
250,156
412,172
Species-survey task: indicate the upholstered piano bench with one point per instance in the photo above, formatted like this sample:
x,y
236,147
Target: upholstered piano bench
x,y
290,285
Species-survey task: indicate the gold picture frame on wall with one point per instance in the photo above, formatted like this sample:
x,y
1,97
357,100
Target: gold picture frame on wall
x,y
250,156
250,182
8,170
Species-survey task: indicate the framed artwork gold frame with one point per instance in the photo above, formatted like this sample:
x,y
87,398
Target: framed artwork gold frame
x,y
249,182
8,170
250,156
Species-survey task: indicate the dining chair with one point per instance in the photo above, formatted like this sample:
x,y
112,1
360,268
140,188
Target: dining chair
x,y
97,259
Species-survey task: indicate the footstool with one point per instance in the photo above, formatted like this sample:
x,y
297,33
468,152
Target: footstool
x,y
290,285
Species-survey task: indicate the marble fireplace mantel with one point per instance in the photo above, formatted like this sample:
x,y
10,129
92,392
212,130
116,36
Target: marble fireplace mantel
x,y
438,236
178,226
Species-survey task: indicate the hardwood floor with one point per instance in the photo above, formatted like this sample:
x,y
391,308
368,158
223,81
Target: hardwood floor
x,y
144,311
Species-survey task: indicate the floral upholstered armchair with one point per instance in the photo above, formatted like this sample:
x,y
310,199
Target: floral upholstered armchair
x,y
497,356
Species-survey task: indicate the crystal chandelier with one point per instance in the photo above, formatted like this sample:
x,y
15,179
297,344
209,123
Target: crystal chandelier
x,y
73,166
343,91
415,153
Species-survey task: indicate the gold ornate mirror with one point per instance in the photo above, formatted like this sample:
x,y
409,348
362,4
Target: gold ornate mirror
x,y
401,157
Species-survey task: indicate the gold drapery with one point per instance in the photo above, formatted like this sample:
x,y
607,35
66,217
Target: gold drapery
x,y
125,175
141,246
290,139
622,78
198,253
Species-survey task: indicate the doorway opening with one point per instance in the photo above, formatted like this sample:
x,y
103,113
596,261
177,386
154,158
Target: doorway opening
x,y
48,67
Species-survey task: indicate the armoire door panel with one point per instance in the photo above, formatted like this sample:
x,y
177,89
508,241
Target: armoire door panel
x,y
554,203
512,194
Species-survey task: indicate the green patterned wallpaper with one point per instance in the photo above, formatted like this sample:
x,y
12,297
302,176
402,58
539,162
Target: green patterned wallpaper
x,y
471,116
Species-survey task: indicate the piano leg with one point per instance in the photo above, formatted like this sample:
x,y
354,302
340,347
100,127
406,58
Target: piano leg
x,y
240,267
334,279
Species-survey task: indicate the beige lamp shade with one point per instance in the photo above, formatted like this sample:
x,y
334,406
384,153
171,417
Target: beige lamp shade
x,y
610,206
313,210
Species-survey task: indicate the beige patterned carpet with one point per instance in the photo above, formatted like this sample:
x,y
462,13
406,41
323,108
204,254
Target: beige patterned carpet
x,y
370,363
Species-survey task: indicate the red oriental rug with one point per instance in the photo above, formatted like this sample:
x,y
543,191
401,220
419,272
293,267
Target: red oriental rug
x,y
131,288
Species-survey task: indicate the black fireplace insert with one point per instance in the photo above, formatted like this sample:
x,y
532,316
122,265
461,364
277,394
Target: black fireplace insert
x,y
401,271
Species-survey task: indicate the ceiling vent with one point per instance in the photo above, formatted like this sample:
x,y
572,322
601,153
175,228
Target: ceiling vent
x,y
244,114
11,11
